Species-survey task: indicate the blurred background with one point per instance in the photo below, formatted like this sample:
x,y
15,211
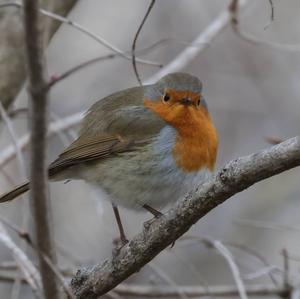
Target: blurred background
x,y
252,91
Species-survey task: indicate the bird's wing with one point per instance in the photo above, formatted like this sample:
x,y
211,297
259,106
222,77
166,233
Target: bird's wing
x,y
90,148
115,124
122,113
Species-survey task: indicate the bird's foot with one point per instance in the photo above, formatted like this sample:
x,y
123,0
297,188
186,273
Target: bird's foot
x,y
148,223
156,214
118,244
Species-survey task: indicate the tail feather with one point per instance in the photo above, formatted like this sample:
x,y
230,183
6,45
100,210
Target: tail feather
x,y
15,192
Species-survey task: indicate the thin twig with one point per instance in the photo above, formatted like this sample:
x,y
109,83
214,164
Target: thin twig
x,y
86,31
286,266
14,139
261,258
193,268
11,181
55,79
30,272
259,42
162,274
21,233
166,40
262,272
22,169
203,40
17,112
113,295
150,291
267,225
12,266
26,237
66,123
273,140
60,277
209,242
234,11
66,137
135,40
58,78
272,10
295,292
156,291
38,169
233,266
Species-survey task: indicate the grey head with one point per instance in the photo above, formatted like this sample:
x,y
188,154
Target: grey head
x,y
176,81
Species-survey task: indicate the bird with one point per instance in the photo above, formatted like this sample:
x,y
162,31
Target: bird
x,y
144,146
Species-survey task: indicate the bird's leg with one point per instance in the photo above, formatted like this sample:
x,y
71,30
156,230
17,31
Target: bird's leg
x,y
120,226
154,212
156,215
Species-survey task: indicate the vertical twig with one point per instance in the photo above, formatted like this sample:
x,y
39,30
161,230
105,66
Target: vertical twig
x,y
24,214
272,10
164,276
14,138
24,235
38,169
234,268
204,39
30,272
135,40
286,266
272,14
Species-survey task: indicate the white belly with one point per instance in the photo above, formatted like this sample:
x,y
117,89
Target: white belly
x,y
149,176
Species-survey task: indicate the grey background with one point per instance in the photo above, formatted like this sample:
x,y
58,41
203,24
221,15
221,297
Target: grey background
x,y
252,92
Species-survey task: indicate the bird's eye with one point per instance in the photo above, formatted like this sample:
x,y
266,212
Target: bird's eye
x,y
166,97
199,102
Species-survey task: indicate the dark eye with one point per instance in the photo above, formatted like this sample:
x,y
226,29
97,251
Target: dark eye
x,y
166,97
199,102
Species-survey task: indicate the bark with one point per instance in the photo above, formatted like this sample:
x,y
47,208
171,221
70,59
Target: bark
x,y
40,205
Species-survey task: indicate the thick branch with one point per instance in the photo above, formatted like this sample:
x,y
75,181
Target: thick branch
x,y
38,168
236,176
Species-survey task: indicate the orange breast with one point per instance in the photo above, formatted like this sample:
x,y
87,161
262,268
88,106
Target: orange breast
x,y
194,153
197,142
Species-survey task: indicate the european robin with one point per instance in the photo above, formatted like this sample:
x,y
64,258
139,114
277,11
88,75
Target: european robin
x,y
144,146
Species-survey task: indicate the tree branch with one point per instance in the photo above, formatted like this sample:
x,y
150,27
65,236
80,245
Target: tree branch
x,y
12,65
236,176
31,274
38,168
203,40
66,123
196,291
234,8
135,40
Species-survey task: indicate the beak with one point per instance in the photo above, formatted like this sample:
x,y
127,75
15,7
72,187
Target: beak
x,y
186,101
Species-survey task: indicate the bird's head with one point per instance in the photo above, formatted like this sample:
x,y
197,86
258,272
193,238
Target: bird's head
x,y
177,98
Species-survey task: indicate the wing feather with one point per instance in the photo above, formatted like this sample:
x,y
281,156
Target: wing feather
x,y
115,124
92,148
